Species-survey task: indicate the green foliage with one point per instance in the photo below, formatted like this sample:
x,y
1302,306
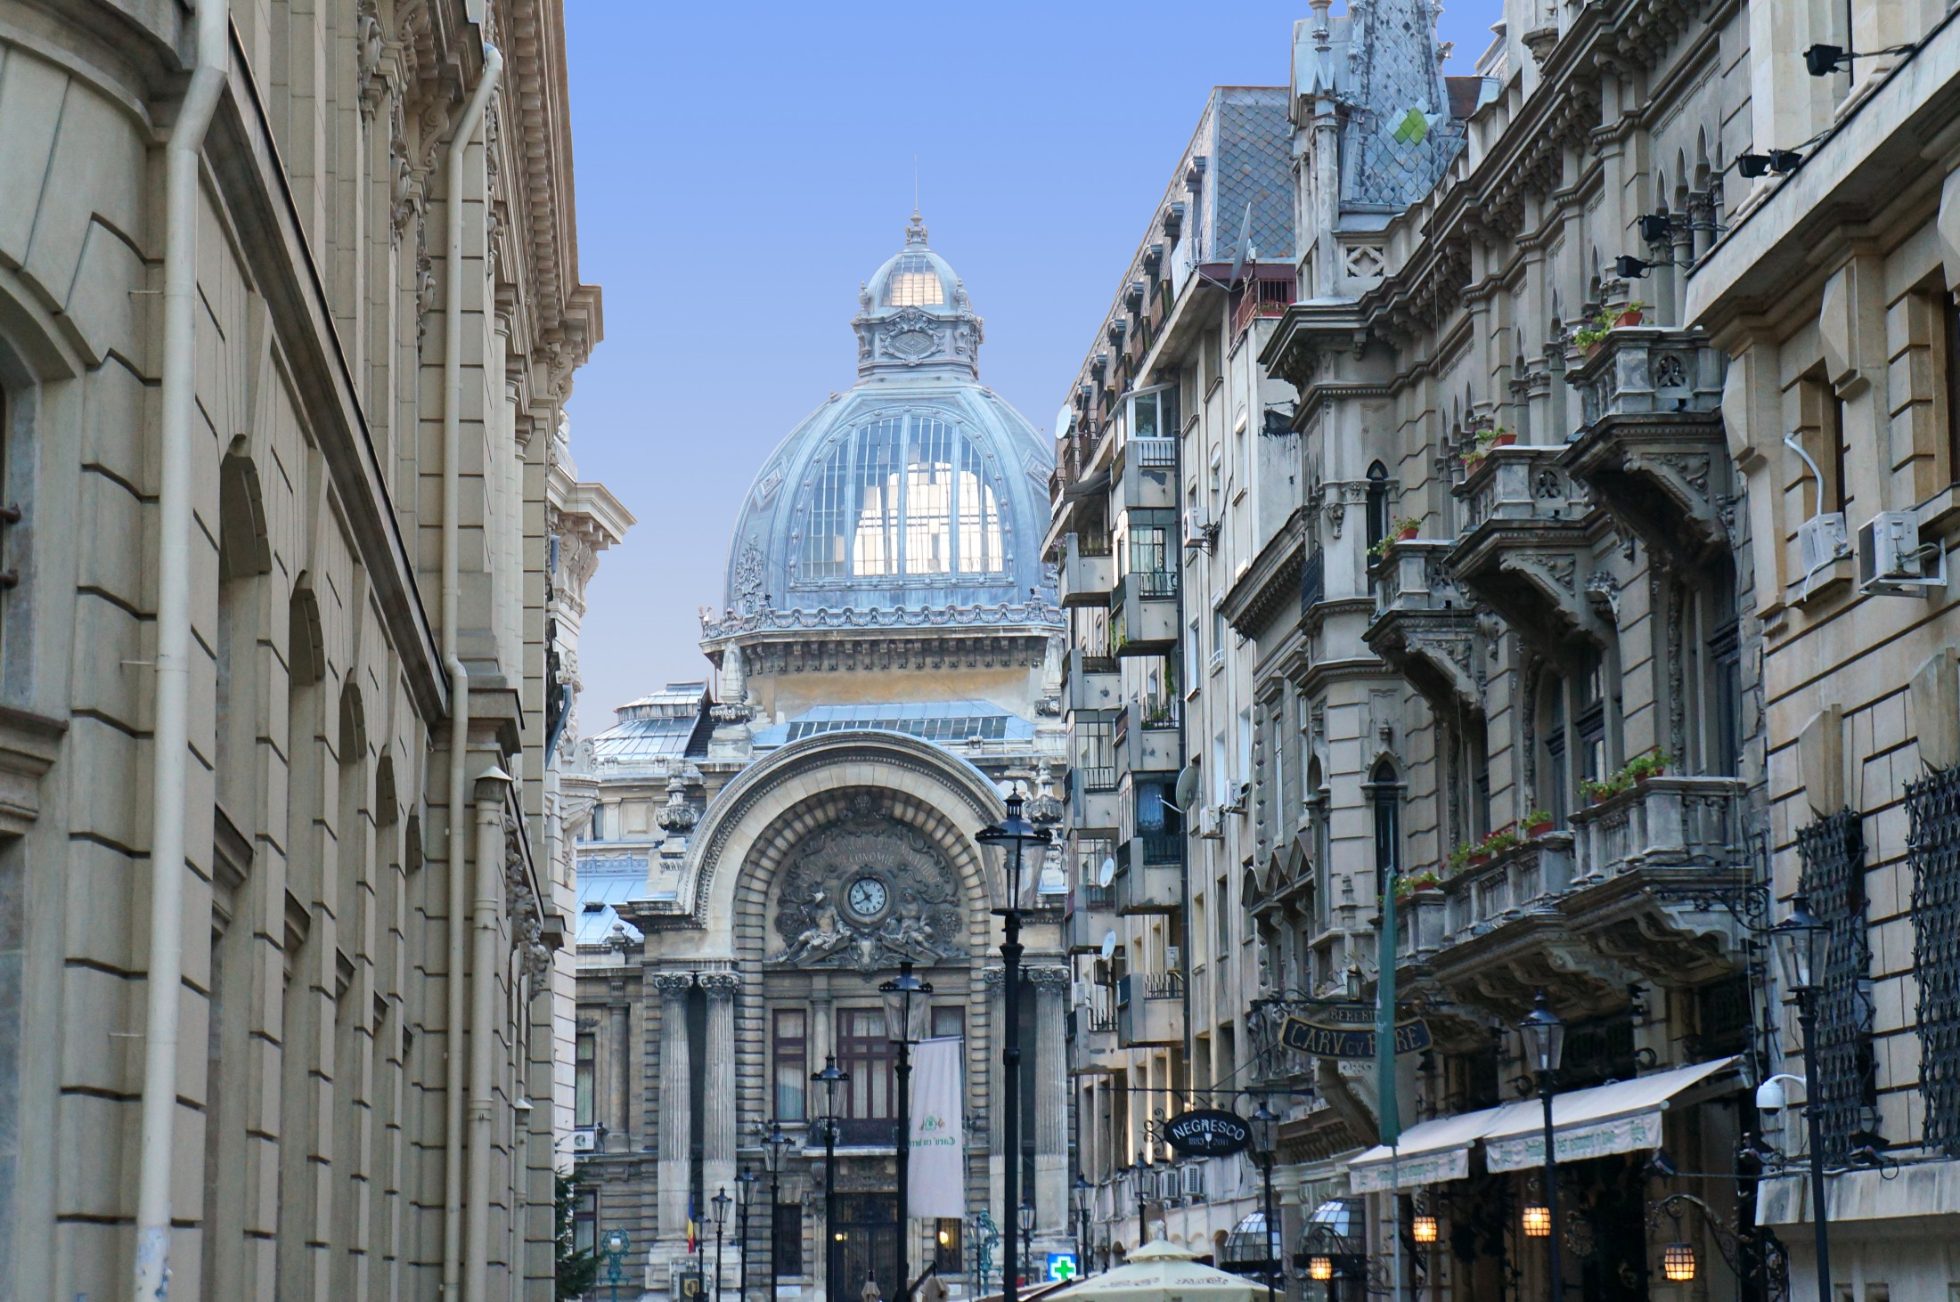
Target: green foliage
x,y
577,1270
1634,771
1409,883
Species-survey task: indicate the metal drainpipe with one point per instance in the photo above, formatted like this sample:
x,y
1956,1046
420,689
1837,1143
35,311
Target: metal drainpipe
x,y
183,153
459,676
490,790
1183,749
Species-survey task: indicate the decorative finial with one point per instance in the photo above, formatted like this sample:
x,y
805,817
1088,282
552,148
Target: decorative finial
x,y
915,231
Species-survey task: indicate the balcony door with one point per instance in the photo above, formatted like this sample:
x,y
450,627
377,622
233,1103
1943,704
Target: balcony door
x,y
867,1102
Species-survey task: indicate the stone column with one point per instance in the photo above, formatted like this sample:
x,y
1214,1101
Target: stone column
x,y
718,1086
618,1090
1051,1174
675,1104
996,1076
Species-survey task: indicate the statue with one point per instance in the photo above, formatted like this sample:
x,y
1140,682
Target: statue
x,y
822,937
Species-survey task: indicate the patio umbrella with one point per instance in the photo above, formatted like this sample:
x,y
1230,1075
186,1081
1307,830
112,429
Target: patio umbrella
x,y
1162,1272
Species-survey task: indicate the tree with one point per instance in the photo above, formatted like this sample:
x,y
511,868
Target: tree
x,y
577,1268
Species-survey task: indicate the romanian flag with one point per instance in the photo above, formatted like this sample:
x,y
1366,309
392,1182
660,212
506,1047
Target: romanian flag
x,y
693,1231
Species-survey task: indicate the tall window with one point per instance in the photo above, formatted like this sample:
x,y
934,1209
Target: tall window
x,y
864,1051
1555,780
1152,542
906,495
792,1059
584,1077
1386,796
585,1220
1377,503
1590,721
948,1021
786,1254
946,1247
1723,674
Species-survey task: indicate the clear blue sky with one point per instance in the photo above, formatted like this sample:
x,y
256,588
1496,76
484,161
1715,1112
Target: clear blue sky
x,y
742,167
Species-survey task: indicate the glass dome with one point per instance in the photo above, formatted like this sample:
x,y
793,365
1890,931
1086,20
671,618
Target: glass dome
x,y
905,494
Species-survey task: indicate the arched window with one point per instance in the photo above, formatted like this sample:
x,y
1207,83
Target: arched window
x,y
1385,794
903,495
1377,503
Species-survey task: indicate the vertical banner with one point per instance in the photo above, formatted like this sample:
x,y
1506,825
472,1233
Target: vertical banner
x,y
938,1138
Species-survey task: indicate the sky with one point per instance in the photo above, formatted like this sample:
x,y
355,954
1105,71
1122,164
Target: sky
x,y
742,167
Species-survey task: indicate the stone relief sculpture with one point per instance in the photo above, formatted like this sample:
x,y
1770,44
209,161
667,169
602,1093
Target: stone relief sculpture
x,y
866,893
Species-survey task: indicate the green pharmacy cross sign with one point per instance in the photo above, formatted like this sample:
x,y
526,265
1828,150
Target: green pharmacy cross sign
x,y
1348,1031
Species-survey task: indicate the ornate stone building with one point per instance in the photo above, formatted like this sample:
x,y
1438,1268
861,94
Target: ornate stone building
x,y
289,309
755,860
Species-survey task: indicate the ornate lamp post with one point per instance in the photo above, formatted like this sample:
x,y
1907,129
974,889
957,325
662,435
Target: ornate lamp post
x,y
720,1203
1265,1145
1085,1200
899,993
745,1181
613,1246
1146,1184
776,1142
1018,833
1803,943
830,1078
1544,1043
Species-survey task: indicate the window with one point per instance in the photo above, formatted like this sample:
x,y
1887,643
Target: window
x,y
584,1102
792,1063
948,1022
866,1054
1950,358
914,282
1555,782
1095,766
1223,913
1723,673
1377,503
597,832
1832,854
946,1247
1386,795
1835,441
1933,846
786,1253
903,495
1153,540
585,1220
1590,722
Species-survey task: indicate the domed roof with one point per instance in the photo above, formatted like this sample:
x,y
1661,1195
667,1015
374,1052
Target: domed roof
x,y
915,498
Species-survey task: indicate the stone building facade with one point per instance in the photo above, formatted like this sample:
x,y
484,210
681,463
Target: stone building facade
x,y
289,309
754,860
1604,609
1166,473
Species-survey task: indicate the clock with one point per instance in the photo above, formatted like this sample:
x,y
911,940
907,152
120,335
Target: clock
x,y
866,897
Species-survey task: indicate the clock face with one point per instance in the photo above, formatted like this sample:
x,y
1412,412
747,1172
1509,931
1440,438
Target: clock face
x,y
866,897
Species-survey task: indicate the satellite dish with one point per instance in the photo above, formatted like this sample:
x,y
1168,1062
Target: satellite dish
x,y
1062,421
1188,787
1109,946
1107,873
1245,238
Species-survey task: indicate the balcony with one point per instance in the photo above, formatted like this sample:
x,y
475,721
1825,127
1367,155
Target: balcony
x,y
1424,627
1149,1009
1651,448
1147,739
1093,681
1150,874
1091,1030
1143,613
1639,890
1527,546
1267,293
1088,570
1149,474
1091,915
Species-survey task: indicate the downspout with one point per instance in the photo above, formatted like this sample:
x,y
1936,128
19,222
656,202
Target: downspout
x,y
490,790
182,175
459,676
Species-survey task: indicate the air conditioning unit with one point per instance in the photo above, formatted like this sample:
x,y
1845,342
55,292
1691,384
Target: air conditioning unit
x,y
585,1140
1211,821
1198,531
1173,958
1892,560
1820,541
1194,1181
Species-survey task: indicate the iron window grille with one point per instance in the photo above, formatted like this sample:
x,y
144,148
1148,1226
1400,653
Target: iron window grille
x,y
1832,851
1933,848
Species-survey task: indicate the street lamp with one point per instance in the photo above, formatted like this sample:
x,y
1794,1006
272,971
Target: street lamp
x,y
776,1141
1544,1043
720,1203
612,1246
899,993
1803,943
1146,1170
1085,1201
1265,1145
1017,832
830,1078
745,1181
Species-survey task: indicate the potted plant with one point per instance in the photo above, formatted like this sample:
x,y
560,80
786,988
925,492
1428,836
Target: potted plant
x,y
1537,823
1501,437
1459,857
1632,314
1602,789
1642,767
1409,883
1408,527
1379,548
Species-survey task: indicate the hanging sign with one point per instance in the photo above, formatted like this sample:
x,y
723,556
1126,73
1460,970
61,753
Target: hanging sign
x,y
1207,1132
938,1176
1348,1031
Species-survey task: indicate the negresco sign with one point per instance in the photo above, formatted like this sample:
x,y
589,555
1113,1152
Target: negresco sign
x,y
1207,1132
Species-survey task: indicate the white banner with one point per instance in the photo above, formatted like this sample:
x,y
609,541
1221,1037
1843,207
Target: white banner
x,y
938,1175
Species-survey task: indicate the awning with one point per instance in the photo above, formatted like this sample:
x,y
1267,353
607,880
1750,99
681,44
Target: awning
x,y
1432,1152
1624,1117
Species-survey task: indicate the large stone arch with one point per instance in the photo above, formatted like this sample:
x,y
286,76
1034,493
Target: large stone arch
x,y
737,852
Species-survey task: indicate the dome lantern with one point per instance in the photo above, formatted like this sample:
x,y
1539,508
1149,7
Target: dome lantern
x,y
914,314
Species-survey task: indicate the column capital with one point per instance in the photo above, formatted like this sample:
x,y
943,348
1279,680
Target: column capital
x,y
1051,980
673,985
721,985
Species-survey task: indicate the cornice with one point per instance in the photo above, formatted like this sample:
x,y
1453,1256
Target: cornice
x,y
1255,598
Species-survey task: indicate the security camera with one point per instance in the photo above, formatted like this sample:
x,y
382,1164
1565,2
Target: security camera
x,y
1769,1097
